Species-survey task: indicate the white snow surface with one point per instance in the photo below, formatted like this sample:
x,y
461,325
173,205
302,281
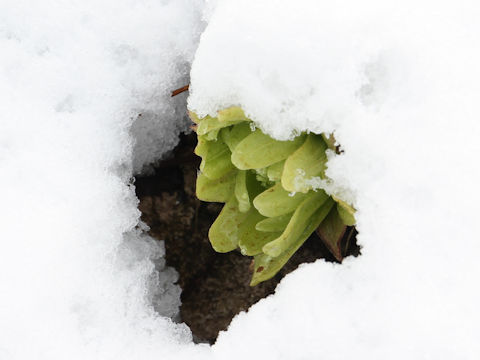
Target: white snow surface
x,y
78,279
397,81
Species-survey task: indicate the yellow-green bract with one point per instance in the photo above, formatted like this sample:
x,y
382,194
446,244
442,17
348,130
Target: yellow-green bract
x,y
270,207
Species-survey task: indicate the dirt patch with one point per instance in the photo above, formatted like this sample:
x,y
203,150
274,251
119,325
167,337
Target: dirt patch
x,y
215,286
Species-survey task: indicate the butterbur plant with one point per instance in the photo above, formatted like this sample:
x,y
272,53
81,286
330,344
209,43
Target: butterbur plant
x,y
271,207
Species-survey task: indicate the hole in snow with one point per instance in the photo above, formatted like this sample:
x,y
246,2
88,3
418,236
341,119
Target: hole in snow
x,y
215,287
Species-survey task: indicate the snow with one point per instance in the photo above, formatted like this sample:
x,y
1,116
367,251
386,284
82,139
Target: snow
x,y
79,279
399,84
397,81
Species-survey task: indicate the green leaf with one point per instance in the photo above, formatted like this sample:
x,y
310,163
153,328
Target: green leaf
x,y
265,266
346,212
305,163
259,150
240,165
251,240
218,190
210,124
223,233
194,117
216,163
297,224
241,191
331,232
274,224
202,146
234,113
212,135
274,172
237,133
275,201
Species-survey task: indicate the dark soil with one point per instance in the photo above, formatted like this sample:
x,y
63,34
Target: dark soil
x,y
215,286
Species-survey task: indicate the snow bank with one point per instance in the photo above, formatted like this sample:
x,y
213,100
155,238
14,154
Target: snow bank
x,y
76,277
399,83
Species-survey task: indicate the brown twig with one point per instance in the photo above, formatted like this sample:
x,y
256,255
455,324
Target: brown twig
x,y
180,90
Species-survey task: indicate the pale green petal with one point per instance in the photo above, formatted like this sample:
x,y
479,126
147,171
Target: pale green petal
x,y
218,190
216,163
274,224
251,240
223,233
234,113
346,212
232,136
259,150
210,124
241,191
275,201
297,224
266,266
274,172
304,164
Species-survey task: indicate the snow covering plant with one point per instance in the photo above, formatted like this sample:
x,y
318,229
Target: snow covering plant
x,y
399,82
271,206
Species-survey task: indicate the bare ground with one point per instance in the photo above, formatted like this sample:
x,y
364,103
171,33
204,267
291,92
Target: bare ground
x,y
215,286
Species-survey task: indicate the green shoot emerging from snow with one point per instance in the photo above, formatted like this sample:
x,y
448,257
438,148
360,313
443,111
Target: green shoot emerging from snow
x,y
270,207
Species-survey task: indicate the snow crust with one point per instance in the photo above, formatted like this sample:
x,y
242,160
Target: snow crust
x,y
399,84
